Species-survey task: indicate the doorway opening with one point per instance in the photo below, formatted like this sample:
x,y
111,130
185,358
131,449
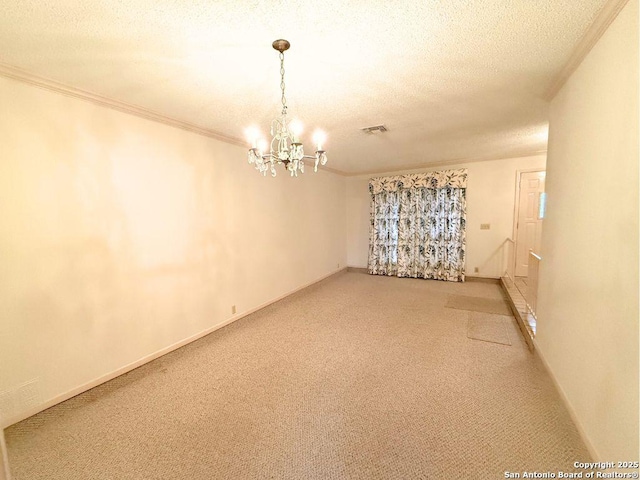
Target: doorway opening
x,y
529,215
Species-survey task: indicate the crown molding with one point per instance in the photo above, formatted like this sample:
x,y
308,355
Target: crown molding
x,y
605,17
15,73
332,170
443,163
20,75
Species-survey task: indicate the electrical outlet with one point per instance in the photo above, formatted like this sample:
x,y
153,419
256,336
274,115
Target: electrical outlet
x,y
29,394
22,398
233,309
485,226
7,405
476,270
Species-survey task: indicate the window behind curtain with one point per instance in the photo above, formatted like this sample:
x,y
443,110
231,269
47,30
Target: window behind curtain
x,y
418,225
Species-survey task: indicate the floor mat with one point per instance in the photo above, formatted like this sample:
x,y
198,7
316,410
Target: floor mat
x,y
477,304
488,328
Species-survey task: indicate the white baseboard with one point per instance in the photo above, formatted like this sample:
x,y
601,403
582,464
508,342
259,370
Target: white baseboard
x,y
357,269
5,474
472,278
572,413
148,358
475,278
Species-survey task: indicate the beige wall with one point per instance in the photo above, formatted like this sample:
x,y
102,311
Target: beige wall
x,y
588,298
490,199
120,237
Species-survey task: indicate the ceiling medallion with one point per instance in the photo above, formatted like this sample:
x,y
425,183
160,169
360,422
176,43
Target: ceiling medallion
x,y
286,147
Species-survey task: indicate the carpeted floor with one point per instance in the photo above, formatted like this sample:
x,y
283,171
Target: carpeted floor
x,y
357,377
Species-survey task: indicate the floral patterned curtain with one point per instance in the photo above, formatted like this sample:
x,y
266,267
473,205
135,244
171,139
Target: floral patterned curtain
x,y
418,225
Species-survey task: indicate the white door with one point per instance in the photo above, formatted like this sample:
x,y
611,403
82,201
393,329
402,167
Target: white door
x,y
529,223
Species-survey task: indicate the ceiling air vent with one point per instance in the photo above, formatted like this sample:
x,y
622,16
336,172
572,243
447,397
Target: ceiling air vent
x,y
374,129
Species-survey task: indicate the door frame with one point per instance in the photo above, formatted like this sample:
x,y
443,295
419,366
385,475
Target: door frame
x,y
516,209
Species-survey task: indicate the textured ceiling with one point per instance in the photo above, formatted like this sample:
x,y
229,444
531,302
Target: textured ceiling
x,y
451,79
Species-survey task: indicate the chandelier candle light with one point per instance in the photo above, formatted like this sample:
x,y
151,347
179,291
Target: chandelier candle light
x,y
286,147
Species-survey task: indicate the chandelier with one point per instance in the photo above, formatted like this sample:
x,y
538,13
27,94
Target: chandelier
x,y
286,148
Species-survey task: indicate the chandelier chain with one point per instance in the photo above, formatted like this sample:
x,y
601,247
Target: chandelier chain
x,y
284,100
